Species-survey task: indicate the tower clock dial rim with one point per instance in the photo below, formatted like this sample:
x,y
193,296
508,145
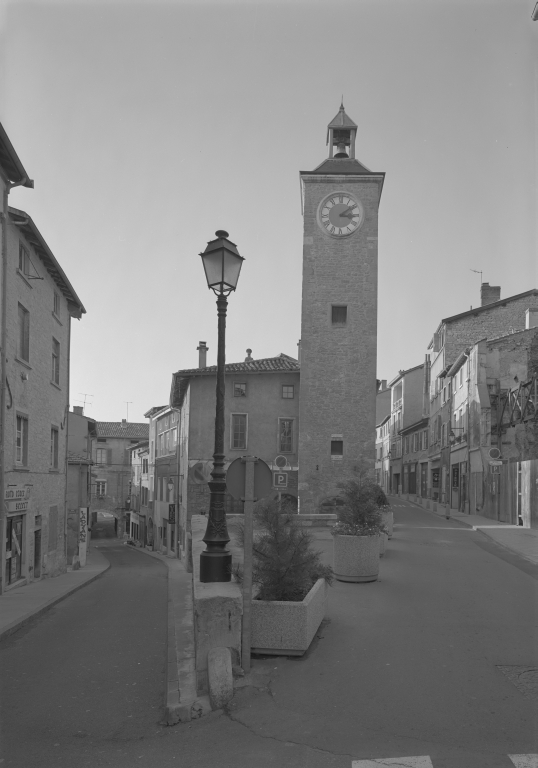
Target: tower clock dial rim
x,y
340,214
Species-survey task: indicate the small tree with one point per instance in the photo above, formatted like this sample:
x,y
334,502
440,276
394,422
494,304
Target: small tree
x,y
285,566
364,501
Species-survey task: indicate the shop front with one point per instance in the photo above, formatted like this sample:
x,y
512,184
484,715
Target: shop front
x,y
16,501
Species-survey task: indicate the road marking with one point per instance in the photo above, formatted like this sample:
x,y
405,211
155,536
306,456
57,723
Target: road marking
x,y
524,761
404,762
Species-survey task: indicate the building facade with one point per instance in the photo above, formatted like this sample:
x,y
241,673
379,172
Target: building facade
x,y
139,507
111,470
81,431
261,419
37,305
406,410
339,317
494,318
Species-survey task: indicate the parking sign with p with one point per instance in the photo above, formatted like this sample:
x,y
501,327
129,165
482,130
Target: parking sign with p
x,y
280,479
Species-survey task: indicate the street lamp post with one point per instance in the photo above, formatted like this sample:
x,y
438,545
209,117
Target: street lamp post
x,y
222,265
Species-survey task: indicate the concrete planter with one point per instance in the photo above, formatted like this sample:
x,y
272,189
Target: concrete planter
x,y
356,558
387,518
286,628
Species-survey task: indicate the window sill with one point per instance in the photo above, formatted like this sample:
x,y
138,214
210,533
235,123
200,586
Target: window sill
x,y
24,278
23,362
18,468
57,386
54,471
55,316
337,458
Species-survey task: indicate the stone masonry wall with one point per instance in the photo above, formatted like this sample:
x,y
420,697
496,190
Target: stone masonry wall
x,y
487,324
338,364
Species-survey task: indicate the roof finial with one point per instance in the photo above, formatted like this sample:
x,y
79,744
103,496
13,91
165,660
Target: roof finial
x,y
342,102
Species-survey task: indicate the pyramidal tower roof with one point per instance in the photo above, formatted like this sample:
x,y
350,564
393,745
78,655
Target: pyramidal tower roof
x,y
341,136
341,121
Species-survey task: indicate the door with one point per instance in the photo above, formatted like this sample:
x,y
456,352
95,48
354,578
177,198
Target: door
x,y
455,497
13,549
37,554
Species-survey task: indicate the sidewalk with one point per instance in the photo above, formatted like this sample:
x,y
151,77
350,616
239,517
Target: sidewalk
x,y
522,541
19,605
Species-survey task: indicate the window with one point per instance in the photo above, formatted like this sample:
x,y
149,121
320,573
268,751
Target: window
x,y
23,350
443,434
338,315
55,361
240,389
288,391
21,447
239,430
337,448
54,435
56,305
144,465
101,456
285,435
101,439
24,260
100,488
425,439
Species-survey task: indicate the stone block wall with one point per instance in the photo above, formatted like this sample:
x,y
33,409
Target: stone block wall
x,y
338,364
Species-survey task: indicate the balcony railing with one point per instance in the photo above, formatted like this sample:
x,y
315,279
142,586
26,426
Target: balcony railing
x,y
397,404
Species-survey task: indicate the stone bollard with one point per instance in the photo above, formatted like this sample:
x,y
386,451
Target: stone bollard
x,y
220,678
387,518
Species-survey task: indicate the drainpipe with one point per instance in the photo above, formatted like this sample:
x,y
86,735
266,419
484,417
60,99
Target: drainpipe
x,y
3,371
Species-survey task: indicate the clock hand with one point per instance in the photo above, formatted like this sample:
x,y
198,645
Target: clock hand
x,y
348,213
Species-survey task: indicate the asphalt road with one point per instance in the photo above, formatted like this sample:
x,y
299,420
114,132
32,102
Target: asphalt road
x,y
88,676
406,666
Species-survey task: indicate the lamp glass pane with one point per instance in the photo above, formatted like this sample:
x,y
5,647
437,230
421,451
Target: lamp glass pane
x,y
213,267
232,268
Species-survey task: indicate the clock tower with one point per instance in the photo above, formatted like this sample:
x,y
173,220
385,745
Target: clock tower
x,y
339,317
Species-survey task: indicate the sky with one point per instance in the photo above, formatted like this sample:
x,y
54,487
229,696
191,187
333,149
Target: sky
x,y
147,126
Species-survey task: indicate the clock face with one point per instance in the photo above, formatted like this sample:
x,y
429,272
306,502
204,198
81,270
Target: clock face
x,y
340,214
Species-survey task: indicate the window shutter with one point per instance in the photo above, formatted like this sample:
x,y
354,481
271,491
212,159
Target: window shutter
x,y
109,455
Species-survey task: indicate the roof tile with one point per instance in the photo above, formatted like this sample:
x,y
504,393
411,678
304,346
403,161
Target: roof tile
x,y
119,429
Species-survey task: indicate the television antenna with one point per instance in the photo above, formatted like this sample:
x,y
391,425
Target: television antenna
x,y
86,395
129,402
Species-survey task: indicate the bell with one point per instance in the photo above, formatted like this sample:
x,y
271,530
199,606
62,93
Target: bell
x,y
341,150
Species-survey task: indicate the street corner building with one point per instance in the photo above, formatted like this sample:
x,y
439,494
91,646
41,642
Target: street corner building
x,y
37,306
261,419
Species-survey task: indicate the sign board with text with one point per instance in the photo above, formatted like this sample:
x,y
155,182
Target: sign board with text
x,y
280,479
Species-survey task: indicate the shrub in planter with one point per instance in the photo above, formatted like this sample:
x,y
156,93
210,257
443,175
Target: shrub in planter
x,y
289,582
359,529
285,564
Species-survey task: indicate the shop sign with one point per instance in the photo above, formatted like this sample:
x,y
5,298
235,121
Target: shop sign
x,y
17,506
495,463
17,492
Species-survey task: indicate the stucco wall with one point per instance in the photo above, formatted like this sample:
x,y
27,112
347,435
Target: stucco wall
x,y
33,394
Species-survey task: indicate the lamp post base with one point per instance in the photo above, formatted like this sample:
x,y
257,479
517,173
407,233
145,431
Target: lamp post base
x,y
215,566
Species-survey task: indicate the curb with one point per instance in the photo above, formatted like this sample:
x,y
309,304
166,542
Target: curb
x,y
481,529
18,623
181,701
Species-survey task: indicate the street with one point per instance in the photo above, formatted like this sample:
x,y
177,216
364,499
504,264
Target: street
x,y
420,663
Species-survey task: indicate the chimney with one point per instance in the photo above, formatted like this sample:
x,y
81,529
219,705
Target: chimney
x,y
531,318
248,359
202,354
489,293
383,383
79,410
124,422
